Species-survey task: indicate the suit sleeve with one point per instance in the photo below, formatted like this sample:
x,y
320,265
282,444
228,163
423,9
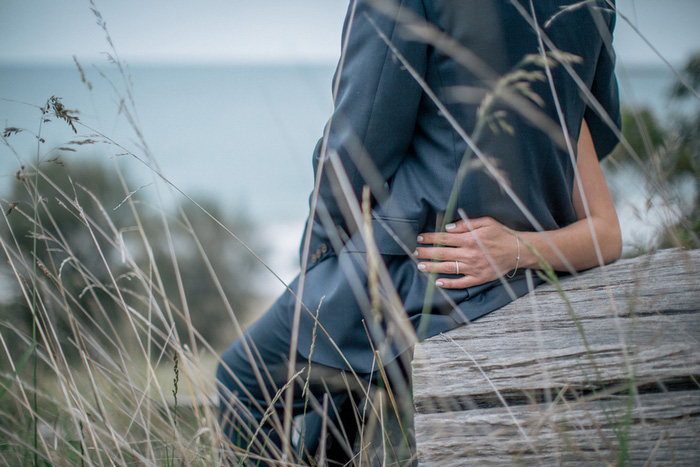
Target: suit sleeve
x,y
374,116
605,90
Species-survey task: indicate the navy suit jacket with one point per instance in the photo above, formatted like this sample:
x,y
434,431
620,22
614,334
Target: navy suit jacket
x,y
388,133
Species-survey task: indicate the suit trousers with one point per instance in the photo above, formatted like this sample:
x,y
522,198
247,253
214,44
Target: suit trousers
x,y
252,378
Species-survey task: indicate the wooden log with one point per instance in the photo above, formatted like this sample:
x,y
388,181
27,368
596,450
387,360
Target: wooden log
x,y
625,337
660,430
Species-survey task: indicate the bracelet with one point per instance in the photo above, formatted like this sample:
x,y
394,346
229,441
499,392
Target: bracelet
x,y
517,260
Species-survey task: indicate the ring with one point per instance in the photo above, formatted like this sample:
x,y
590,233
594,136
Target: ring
x,y
457,264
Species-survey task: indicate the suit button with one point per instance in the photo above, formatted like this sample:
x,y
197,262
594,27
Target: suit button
x,y
314,258
318,253
324,248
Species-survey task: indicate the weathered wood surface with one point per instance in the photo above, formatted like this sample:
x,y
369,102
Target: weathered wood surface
x,y
636,322
663,430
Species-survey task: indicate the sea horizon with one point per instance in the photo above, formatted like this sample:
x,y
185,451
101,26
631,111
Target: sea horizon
x,y
241,135
244,116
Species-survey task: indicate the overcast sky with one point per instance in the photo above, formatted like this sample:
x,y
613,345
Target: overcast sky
x,y
213,31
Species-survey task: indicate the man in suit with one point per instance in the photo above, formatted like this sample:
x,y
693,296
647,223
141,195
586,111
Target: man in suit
x,y
465,135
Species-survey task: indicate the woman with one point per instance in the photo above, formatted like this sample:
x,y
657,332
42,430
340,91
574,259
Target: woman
x,y
485,117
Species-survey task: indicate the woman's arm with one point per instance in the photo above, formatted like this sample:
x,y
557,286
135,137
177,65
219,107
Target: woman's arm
x,y
471,243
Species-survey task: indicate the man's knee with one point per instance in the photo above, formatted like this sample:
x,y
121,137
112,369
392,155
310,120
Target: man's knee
x,y
228,371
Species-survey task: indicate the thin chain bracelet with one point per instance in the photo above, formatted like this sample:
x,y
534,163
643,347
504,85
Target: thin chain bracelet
x,y
517,261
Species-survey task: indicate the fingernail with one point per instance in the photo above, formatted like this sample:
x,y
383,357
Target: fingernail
x,y
415,253
420,238
439,283
450,226
421,267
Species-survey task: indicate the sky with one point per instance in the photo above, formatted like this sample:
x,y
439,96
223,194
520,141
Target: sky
x,y
208,31
278,31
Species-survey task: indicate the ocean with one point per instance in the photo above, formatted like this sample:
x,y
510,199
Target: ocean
x,y
242,135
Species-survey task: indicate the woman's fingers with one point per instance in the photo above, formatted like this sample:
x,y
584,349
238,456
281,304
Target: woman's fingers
x,y
443,267
459,252
459,283
454,235
449,238
436,253
453,268
442,238
457,227
471,275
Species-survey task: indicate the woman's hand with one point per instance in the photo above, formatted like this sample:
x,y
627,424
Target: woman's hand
x,y
480,250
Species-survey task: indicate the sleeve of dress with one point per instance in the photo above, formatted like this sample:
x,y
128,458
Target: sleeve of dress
x,y
375,112
605,126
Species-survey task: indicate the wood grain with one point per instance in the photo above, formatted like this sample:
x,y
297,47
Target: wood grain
x,y
663,431
634,324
